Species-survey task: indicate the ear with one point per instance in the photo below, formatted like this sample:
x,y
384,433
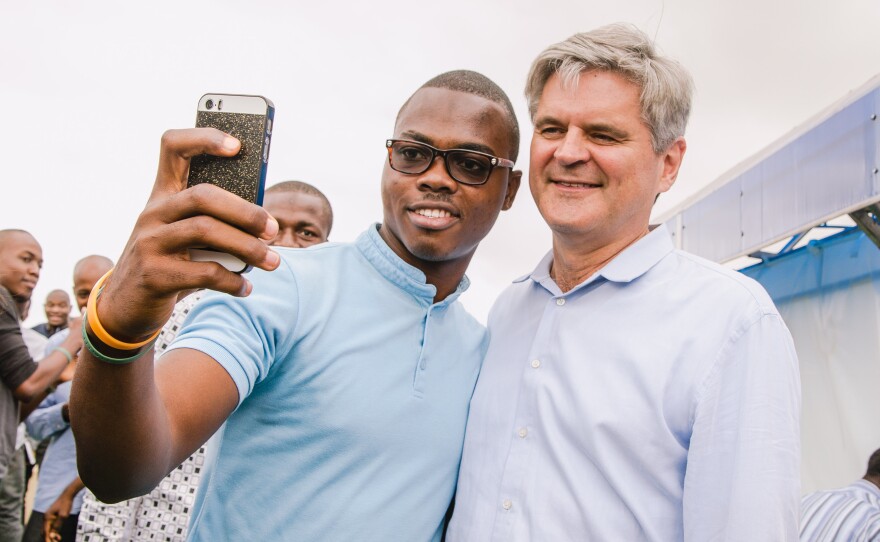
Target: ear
x,y
513,181
672,158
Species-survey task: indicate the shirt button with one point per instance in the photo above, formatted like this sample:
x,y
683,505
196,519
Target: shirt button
x,y
522,432
506,504
536,363
560,301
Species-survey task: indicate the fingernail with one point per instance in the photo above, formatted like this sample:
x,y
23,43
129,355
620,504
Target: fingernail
x,y
271,229
245,289
230,143
272,258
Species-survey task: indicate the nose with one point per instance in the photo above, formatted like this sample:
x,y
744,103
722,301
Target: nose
x,y
436,178
572,149
34,269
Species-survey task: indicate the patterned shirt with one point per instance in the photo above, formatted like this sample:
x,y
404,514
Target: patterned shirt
x,y
850,514
163,514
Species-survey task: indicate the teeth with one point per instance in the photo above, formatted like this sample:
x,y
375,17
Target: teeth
x,y
577,185
433,213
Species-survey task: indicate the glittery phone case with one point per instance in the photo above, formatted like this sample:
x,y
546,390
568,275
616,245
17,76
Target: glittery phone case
x,y
248,118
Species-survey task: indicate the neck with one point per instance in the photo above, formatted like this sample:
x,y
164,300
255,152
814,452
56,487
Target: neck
x,y
576,259
873,479
444,275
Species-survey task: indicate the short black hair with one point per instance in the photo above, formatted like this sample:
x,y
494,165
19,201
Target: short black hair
x,y
305,188
874,464
478,84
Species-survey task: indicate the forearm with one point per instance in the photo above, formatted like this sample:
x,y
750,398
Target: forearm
x,y
46,420
27,408
74,487
49,368
123,437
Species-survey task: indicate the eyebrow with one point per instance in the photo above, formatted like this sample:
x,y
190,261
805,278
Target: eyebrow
x,y
34,256
467,146
592,127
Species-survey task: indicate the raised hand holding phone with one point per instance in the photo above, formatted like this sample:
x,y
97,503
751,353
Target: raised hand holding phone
x,y
155,265
249,119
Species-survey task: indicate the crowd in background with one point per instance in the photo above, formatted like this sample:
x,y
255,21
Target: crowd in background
x,y
43,461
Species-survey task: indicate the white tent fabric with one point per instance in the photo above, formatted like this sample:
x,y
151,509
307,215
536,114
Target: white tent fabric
x,y
837,336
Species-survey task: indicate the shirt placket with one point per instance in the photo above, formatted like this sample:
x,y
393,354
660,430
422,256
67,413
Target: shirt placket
x,y
527,432
428,323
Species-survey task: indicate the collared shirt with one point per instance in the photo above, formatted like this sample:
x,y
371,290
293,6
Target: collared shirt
x,y
58,468
353,386
658,400
849,514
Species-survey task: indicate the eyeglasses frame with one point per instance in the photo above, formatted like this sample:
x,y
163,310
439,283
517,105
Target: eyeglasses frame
x,y
494,161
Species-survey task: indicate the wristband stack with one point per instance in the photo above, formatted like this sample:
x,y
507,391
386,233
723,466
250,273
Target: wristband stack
x,y
92,323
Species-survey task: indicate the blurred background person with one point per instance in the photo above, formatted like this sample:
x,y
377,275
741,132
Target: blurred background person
x,y
58,498
23,383
303,212
848,514
57,309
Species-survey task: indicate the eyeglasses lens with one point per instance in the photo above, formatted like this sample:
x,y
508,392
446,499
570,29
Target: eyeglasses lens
x,y
463,166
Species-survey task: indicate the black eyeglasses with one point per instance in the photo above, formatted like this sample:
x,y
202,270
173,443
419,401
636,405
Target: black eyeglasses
x,y
466,167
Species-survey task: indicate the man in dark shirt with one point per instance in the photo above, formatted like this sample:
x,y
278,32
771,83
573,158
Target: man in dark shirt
x,y
22,382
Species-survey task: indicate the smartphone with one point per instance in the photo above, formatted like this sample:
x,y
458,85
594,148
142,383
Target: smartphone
x,y
249,119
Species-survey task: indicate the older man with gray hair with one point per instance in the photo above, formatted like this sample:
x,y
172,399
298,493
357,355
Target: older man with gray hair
x,y
630,391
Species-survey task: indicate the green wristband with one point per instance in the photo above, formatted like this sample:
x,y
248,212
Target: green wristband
x,y
64,351
107,359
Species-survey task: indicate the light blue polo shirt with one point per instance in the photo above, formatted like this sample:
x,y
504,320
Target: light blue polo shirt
x,y
353,397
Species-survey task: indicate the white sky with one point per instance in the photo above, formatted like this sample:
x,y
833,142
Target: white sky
x,y
87,91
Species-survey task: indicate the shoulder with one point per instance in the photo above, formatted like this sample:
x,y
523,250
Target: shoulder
x,y
317,260
465,320
7,304
716,284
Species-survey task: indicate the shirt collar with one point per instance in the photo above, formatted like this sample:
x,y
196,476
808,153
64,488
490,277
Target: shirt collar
x,y
627,266
403,275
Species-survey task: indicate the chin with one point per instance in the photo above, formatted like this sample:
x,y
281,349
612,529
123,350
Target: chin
x,y
429,253
21,297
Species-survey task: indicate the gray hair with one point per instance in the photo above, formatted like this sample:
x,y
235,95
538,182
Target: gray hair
x,y
666,87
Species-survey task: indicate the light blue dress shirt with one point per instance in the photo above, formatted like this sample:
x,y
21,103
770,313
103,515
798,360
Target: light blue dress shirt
x,y
658,400
58,468
354,388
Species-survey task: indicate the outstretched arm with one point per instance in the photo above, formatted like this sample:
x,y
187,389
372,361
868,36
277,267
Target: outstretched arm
x,y
134,422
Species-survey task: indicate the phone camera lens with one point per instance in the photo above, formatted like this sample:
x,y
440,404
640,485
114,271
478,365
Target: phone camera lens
x,y
209,104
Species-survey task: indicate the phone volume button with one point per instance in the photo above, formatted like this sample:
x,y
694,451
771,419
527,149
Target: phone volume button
x,y
266,150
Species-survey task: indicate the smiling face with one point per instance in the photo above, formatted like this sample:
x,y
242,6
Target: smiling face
x,y
430,218
21,259
593,171
57,308
302,218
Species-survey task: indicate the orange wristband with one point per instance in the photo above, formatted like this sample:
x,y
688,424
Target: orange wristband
x,y
99,331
